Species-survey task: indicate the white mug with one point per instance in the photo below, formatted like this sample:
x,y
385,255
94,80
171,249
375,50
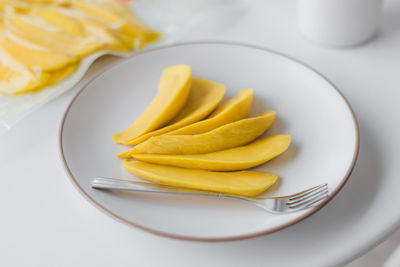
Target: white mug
x,y
339,23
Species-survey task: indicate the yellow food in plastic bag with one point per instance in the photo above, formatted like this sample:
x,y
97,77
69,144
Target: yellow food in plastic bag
x,y
43,41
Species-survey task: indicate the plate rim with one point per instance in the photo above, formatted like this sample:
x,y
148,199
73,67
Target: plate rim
x,y
195,238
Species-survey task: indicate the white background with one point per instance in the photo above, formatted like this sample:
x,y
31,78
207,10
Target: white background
x,y
44,221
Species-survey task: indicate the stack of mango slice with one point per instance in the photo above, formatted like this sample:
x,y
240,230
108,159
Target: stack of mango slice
x,y
43,41
185,139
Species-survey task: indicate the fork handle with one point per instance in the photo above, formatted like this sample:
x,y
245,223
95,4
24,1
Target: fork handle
x,y
118,184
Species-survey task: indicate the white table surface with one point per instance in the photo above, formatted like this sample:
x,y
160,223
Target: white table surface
x,y
386,254
46,222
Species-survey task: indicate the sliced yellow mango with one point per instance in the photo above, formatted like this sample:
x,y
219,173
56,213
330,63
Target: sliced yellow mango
x,y
238,158
227,136
32,56
122,19
105,36
15,77
51,78
234,109
13,82
48,79
18,5
40,1
48,37
203,98
52,15
35,30
62,73
174,89
246,183
97,29
107,10
104,30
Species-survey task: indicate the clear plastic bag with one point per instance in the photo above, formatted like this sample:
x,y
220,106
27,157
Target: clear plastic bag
x,y
175,19
15,108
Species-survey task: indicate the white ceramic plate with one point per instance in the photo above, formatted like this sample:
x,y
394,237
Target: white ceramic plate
x,y
322,125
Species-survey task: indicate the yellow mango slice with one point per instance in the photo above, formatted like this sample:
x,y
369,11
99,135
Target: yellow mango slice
x,y
105,36
35,30
15,77
238,158
94,27
53,16
40,1
48,37
203,98
104,30
174,89
120,17
234,109
227,136
246,183
107,10
13,82
51,78
15,4
31,55
62,73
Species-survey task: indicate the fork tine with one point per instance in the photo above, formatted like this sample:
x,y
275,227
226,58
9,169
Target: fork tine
x,y
315,201
307,192
310,200
308,196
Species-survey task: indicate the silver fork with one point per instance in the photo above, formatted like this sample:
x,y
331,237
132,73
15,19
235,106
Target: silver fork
x,y
299,201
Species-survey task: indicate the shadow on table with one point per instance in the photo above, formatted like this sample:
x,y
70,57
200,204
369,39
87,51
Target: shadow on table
x,y
390,24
